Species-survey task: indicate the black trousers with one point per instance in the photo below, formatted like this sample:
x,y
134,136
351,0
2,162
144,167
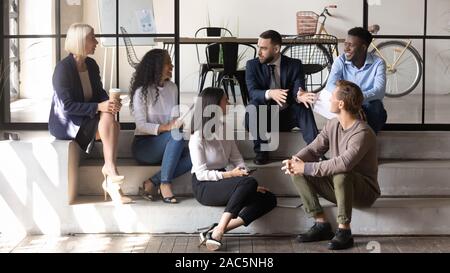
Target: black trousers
x,y
238,194
294,115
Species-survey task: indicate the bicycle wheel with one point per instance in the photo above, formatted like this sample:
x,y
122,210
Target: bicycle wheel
x,y
405,76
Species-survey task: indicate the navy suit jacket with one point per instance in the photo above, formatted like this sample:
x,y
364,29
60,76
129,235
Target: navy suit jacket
x,y
258,79
69,110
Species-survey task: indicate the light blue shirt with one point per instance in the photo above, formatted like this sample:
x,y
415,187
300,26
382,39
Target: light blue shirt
x,y
371,77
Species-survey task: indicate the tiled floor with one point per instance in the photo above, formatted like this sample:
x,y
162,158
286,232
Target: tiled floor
x,y
145,243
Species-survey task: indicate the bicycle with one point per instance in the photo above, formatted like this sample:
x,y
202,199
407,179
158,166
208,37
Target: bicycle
x,y
404,65
317,54
405,71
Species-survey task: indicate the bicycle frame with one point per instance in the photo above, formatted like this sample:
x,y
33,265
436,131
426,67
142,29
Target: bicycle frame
x,y
390,67
323,15
322,29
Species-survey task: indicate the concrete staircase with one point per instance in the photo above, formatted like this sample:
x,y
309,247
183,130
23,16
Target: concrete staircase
x,y
49,187
413,175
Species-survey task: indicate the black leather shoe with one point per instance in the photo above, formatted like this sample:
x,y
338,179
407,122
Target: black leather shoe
x,y
261,158
342,240
318,232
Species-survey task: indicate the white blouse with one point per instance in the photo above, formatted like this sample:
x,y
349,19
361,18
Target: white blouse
x,y
208,156
149,117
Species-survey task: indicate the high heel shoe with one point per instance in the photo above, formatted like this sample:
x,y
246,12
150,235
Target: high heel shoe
x,y
147,195
204,231
119,179
170,200
211,243
111,186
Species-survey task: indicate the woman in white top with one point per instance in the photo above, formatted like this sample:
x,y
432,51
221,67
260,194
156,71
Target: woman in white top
x,y
158,139
213,185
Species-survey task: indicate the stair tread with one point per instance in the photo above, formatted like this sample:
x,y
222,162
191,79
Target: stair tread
x,y
393,163
382,202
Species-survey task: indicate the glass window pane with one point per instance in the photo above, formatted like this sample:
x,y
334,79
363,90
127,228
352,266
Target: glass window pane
x,y
437,98
388,14
90,12
402,106
438,17
147,16
31,66
31,17
126,71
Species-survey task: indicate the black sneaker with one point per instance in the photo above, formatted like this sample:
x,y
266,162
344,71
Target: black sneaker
x,y
261,158
318,232
342,240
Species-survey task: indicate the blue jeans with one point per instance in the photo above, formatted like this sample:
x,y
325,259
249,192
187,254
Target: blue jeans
x,y
376,115
173,155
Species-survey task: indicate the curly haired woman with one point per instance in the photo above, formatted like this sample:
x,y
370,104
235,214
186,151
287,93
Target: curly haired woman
x,y
157,136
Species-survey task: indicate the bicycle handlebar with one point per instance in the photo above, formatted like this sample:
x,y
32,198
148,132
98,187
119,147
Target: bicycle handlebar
x,y
325,10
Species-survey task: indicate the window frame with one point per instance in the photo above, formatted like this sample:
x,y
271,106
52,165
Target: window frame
x,y
5,111
5,104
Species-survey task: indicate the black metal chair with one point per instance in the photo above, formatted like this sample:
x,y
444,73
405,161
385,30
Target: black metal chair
x,y
214,52
316,54
131,53
229,73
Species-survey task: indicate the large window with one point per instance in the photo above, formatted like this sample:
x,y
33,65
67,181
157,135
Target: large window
x,y
33,42
34,32
428,30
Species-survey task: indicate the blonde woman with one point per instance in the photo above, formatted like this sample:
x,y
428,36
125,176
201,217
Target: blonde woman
x,y
81,108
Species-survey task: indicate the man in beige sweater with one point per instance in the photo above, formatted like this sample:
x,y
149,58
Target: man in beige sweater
x,y
348,179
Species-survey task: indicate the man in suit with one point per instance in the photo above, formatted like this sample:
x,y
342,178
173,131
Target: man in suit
x,y
275,79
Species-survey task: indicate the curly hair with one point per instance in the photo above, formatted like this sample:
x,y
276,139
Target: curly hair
x,y
148,75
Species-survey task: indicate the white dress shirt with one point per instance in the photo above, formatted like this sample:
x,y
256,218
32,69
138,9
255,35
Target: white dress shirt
x,y
209,156
149,117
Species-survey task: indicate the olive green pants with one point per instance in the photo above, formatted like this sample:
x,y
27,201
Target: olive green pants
x,y
345,190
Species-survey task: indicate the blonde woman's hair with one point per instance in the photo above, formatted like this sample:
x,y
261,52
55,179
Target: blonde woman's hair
x,y
76,38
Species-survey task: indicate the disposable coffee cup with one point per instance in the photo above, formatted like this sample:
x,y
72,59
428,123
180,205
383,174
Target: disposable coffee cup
x,y
114,94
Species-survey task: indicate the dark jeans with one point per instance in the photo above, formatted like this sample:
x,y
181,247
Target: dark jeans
x,y
238,194
376,115
295,115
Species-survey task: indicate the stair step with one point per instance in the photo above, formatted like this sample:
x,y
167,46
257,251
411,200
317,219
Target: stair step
x,y
391,145
388,216
396,178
